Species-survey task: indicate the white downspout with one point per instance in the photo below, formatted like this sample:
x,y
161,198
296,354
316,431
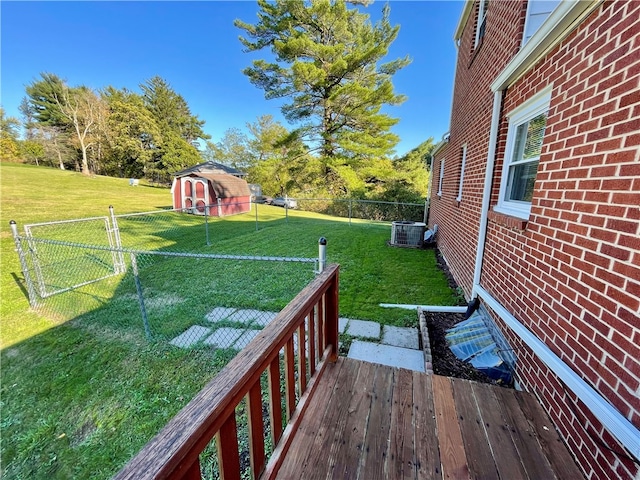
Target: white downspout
x,y
486,192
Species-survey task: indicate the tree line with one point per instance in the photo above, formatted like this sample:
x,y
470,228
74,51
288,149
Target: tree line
x,y
325,59
114,132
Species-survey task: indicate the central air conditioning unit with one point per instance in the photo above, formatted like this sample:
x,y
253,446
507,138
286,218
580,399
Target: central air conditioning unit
x,y
407,234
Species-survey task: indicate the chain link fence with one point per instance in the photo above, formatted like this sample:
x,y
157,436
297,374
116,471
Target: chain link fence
x,y
192,300
368,210
152,272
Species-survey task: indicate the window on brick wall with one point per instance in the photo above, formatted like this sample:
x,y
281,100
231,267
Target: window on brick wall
x,y
482,21
462,165
537,12
441,178
524,144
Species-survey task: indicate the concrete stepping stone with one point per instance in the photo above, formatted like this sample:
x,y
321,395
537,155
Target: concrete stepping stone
x,y
219,313
223,337
245,338
387,355
363,328
248,315
342,324
190,336
405,337
265,318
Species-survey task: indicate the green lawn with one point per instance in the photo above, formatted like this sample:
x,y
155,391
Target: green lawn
x,y
82,389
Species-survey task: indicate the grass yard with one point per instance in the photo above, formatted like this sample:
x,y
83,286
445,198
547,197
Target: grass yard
x,y
82,390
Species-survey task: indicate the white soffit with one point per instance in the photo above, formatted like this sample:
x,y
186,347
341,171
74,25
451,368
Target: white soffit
x,y
464,16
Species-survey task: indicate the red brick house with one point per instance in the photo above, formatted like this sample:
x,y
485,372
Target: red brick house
x,y
536,194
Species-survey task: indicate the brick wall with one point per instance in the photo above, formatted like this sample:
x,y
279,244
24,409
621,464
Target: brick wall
x,y
470,125
571,273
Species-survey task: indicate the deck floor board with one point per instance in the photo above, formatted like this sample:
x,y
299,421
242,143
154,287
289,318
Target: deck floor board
x,y
369,421
474,436
376,442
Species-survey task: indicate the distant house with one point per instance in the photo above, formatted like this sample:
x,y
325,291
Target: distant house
x,y
536,194
211,188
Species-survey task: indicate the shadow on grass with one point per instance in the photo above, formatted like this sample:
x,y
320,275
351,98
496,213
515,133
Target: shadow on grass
x,y
21,284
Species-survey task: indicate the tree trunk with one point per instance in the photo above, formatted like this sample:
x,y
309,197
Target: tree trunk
x,y
85,162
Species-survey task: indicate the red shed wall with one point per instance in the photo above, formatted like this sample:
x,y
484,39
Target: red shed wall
x,y
571,273
177,193
234,205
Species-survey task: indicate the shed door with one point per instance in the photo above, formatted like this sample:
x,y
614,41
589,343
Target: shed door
x,y
195,195
200,197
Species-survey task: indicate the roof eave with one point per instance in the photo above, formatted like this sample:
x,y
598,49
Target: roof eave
x,y
464,16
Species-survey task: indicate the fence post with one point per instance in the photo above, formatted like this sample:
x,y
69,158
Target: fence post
x,y
256,217
219,208
206,225
143,310
119,267
350,211
286,209
322,254
426,211
31,291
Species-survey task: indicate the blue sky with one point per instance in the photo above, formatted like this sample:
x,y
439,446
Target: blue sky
x,y
195,47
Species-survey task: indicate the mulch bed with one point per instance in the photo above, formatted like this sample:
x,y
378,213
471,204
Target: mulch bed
x,y
444,362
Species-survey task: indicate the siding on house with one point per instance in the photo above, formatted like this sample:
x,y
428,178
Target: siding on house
x,y
571,272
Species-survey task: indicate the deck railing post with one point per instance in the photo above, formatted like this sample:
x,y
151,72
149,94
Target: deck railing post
x,y
322,254
331,318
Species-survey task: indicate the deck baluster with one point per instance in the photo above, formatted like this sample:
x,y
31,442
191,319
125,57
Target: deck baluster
x,y
227,444
275,400
256,429
302,360
321,339
312,342
290,378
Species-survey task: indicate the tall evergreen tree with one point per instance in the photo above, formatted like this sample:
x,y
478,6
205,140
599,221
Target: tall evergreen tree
x,y
44,108
327,63
178,128
132,134
171,111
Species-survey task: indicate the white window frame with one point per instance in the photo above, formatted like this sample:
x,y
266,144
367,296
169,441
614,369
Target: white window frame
x,y
537,13
462,166
482,22
441,178
525,112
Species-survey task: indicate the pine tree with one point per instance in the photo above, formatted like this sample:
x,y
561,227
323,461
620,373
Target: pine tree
x,y
327,63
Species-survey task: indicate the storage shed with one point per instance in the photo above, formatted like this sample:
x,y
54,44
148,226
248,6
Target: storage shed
x,y
212,185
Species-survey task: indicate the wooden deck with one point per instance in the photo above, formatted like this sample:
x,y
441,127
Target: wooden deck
x,y
368,421
348,419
